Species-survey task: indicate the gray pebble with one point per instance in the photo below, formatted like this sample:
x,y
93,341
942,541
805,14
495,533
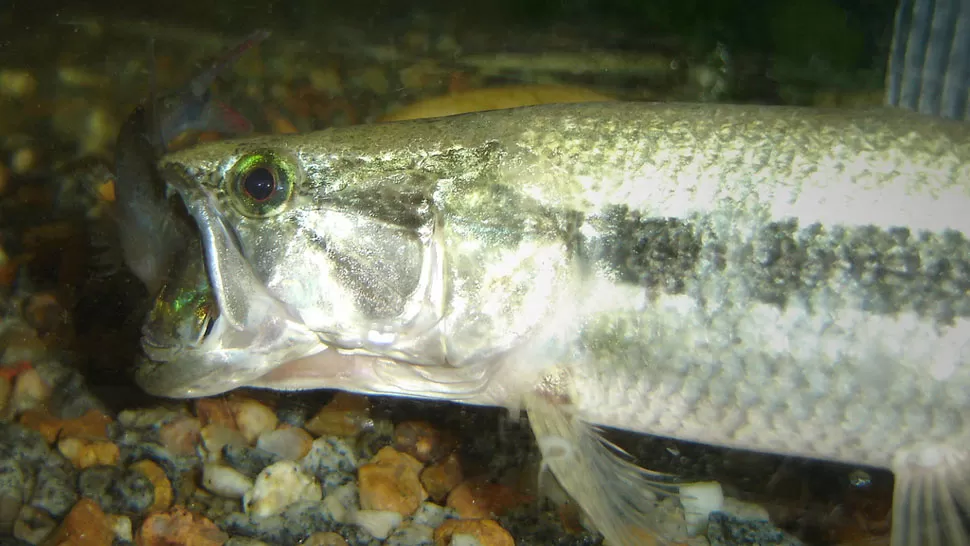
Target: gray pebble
x,y
134,448
725,530
432,515
370,441
245,541
306,518
272,529
334,480
411,535
356,535
15,482
54,491
22,444
248,460
117,490
329,454
33,525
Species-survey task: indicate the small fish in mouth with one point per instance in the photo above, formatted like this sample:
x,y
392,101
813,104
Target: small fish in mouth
x,y
781,279
151,233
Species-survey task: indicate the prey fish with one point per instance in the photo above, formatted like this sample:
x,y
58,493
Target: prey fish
x,y
151,234
781,279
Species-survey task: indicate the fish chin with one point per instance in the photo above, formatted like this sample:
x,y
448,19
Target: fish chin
x,y
227,357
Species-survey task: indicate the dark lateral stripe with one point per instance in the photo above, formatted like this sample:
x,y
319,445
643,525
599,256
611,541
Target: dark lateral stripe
x,y
886,271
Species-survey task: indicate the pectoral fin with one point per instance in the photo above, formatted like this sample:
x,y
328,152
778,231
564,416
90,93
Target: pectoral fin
x,y
620,498
931,499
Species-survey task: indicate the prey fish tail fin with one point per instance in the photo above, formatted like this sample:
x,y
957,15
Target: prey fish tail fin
x,y
931,499
929,61
621,498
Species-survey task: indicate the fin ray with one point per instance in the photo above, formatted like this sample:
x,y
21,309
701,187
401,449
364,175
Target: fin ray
x,y
931,499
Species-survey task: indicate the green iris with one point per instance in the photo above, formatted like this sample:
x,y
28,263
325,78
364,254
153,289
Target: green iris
x,y
262,183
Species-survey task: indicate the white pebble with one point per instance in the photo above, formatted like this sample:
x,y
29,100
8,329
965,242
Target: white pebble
x,y
121,525
252,418
699,500
289,443
278,486
379,523
215,437
225,481
342,502
29,391
459,539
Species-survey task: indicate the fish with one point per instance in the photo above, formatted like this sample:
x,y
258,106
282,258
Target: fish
x,y
781,279
150,233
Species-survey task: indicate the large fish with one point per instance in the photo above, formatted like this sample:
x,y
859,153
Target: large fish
x,y
780,279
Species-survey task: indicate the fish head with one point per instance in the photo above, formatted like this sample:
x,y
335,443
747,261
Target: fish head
x,y
302,256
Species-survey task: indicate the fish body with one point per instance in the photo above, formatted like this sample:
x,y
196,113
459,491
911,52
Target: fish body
x,y
781,279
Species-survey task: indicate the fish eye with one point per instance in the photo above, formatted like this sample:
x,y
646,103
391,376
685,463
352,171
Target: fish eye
x,y
262,183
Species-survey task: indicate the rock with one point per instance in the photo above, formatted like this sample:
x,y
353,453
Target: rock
x,y
121,525
441,477
179,527
432,515
251,417
54,491
378,523
22,444
289,443
30,391
33,525
85,525
324,539
345,415
245,541
215,411
181,435
5,386
248,460
278,486
328,455
423,441
411,535
726,530
24,160
390,482
14,483
699,500
43,422
17,83
486,531
85,454
93,425
155,417
744,510
225,481
305,517
117,490
342,502
215,437
161,485
480,499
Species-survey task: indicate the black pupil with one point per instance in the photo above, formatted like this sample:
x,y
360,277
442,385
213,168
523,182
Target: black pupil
x,y
260,184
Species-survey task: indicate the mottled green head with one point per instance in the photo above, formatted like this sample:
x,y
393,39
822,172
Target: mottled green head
x,y
302,251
